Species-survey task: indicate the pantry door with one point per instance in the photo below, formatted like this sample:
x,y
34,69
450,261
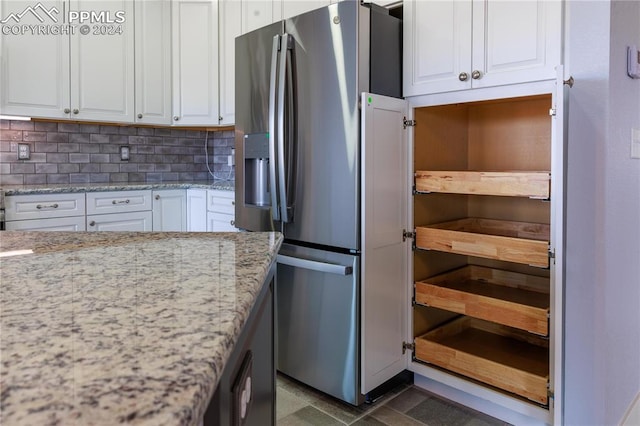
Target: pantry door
x,y
385,251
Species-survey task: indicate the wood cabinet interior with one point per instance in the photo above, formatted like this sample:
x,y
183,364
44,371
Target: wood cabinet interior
x,y
496,136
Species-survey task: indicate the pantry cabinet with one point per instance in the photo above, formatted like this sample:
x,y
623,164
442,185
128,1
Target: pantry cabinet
x,y
470,44
484,247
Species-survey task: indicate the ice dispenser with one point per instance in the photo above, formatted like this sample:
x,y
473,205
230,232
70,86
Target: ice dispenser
x,y
256,170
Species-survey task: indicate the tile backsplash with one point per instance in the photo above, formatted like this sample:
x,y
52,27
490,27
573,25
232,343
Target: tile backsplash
x,y
90,153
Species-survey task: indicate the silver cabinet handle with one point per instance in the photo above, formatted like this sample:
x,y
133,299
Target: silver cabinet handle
x,y
463,76
233,203
67,110
176,118
476,75
120,201
233,223
44,206
139,115
157,197
314,265
75,111
92,223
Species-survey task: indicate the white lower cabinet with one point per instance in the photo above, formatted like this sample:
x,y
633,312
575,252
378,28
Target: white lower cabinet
x,y
221,211
76,223
196,210
170,210
130,221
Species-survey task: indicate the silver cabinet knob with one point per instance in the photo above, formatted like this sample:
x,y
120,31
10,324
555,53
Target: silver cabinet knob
x,y
157,197
67,110
463,76
75,111
475,74
219,118
176,118
139,115
92,223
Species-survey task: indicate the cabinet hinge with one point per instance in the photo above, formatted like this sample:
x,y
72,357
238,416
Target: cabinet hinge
x,y
406,123
552,112
408,234
409,346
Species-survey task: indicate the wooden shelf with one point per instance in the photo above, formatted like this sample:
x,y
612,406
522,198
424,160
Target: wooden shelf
x,y
490,353
511,183
519,242
508,298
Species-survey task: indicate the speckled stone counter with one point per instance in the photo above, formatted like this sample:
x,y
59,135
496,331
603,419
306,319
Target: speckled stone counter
x,y
94,187
108,328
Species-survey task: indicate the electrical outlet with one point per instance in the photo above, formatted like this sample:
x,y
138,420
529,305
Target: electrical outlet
x,y
635,143
231,159
124,153
24,151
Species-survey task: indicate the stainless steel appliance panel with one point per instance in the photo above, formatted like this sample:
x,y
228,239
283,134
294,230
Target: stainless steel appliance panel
x,y
253,72
325,74
317,328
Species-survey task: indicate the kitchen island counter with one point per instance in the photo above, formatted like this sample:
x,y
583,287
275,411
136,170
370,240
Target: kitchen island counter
x,y
107,328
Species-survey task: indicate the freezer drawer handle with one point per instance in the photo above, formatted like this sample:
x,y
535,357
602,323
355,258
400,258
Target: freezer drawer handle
x,y
314,265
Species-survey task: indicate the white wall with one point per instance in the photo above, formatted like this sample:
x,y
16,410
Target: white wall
x,y
602,337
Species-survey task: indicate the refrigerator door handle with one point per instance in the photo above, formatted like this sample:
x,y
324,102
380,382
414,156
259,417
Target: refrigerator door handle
x,y
273,81
314,265
282,73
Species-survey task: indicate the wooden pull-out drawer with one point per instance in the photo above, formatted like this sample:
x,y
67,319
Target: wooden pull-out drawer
x,y
514,361
519,242
509,298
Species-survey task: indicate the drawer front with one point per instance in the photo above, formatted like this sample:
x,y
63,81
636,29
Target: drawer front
x,y
221,201
132,222
43,206
219,222
53,224
118,201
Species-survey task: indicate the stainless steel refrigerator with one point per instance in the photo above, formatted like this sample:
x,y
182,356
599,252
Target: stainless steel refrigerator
x,y
298,171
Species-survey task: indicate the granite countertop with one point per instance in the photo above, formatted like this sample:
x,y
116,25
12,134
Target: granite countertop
x,y
106,328
124,186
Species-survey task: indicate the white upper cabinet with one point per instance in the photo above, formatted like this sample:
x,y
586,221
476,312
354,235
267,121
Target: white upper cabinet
x,y
230,27
258,13
153,62
464,44
195,62
291,8
65,67
102,64
27,86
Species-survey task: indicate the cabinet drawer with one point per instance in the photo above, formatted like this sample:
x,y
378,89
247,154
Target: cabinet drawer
x,y
52,224
132,222
118,202
42,206
221,201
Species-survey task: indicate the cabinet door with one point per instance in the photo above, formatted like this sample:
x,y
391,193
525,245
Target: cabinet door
x,y
55,224
385,255
220,222
195,62
515,42
34,81
196,210
437,46
258,13
153,62
132,222
170,210
230,27
102,63
291,8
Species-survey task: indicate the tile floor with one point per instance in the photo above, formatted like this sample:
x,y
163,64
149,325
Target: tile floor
x,y
405,405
